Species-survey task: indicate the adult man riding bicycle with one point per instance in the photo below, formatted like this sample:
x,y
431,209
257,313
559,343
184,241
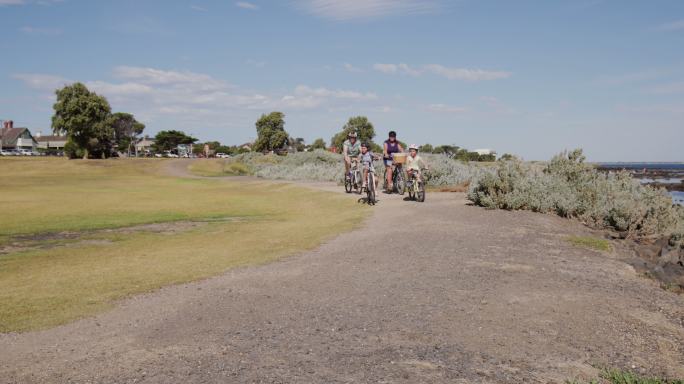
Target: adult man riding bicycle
x,y
414,162
390,146
351,148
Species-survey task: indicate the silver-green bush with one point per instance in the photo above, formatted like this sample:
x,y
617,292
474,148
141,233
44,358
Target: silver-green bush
x,y
570,187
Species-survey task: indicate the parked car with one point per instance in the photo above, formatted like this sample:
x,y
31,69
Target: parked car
x,y
6,153
222,155
25,152
169,154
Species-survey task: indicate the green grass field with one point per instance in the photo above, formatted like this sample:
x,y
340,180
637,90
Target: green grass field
x,y
61,257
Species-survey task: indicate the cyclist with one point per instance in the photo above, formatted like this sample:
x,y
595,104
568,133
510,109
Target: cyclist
x,y
366,157
351,148
390,146
414,162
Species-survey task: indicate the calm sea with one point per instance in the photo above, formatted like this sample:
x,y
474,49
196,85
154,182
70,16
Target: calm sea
x,y
669,173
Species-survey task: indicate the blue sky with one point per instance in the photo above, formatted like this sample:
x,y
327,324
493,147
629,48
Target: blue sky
x,y
524,77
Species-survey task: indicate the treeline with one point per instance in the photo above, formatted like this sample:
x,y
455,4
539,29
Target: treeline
x,y
456,152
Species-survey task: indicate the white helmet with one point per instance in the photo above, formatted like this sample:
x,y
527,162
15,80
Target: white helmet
x,y
413,146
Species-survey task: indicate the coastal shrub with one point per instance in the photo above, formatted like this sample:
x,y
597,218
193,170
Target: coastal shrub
x,y
322,165
569,187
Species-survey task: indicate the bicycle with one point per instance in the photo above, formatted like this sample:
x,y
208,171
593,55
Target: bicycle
x,y
398,178
352,180
370,186
416,186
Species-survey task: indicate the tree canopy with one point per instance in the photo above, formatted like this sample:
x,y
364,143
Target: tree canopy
x,y
168,140
83,116
271,135
359,124
318,144
125,129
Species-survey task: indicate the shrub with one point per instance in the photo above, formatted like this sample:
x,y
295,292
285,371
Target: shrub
x,y
569,187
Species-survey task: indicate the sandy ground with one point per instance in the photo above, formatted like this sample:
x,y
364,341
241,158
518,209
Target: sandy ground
x,y
439,292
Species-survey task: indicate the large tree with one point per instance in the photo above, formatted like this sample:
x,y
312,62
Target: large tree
x,y
168,140
359,124
82,115
125,128
271,133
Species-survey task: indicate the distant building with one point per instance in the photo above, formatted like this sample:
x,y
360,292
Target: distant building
x,y
485,151
144,144
16,138
50,142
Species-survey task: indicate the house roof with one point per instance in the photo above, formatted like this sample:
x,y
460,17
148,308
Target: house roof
x,y
10,135
50,138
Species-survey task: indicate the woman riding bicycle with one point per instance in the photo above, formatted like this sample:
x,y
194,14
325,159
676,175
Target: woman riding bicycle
x,y
390,146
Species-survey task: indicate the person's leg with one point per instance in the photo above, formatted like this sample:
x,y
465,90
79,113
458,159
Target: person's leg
x,y
388,180
347,163
365,177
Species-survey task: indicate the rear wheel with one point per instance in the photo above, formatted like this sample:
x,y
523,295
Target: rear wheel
x,y
421,192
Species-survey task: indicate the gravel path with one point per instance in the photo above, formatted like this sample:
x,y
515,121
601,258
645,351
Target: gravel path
x,y
439,292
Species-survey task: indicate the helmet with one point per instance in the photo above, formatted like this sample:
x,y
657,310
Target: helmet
x,y
392,134
413,146
352,134
364,144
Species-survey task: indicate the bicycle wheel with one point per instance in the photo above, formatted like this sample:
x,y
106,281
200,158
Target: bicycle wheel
x,y
420,195
357,182
347,184
371,189
399,183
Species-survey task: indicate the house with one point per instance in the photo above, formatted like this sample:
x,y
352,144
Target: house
x,y
16,138
50,142
485,151
144,145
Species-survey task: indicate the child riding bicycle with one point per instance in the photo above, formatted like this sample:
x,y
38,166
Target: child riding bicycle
x,y
366,157
414,163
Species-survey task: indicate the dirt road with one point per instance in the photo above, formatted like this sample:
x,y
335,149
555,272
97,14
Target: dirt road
x,y
439,292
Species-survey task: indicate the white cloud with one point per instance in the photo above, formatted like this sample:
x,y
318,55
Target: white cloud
x,y
446,108
24,2
344,10
305,97
465,73
256,63
41,31
247,5
400,68
174,78
666,89
672,26
42,81
351,68
440,70
198,8
125,89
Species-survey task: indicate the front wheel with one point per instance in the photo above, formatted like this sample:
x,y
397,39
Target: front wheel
x,y
347,184
399,183
421,192
371,189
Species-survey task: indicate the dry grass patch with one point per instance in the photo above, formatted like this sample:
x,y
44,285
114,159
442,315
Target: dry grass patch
x,y
41,288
